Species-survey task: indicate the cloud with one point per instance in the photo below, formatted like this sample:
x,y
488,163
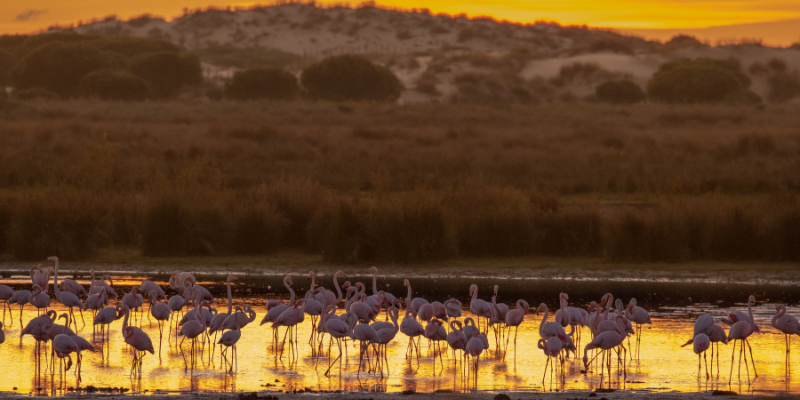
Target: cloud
x,y
29,15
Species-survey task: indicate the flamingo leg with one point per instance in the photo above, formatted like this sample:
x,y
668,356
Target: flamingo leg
x,y
751,357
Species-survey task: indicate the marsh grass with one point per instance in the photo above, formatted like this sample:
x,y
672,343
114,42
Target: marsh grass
x,y
408,184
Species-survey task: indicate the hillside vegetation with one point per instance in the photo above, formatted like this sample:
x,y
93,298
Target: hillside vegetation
x,y
371,182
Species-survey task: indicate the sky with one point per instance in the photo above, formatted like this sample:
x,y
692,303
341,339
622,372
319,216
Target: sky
x,y
639,16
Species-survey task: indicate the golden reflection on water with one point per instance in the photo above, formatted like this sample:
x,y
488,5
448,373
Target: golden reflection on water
x,y
662,365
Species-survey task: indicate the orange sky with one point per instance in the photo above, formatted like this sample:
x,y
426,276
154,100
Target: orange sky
x,y
17,16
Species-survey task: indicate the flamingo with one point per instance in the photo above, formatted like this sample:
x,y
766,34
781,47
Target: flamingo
x,y
515,317
2,334
39,299
388,297
475,347
313,307
552,348
717,335
365,335
40,277
161,312
175,304
101,285
216,322
453,308
338,330
20,297
479,307
411,328
639,316
138,340
5,294
105,317
192,329
550,329
276,310
456,338
229,340
68,299
239,319
413,303
96,301
785,323
606,341
36,325
386,335
63,345
701,344
69,285
359,307
740,331
132,299
330,297
290,318
435,332
704,324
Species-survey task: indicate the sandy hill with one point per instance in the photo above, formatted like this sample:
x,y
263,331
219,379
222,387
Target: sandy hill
x,y
437,57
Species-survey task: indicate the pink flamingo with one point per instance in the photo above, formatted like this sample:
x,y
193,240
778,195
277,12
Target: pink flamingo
x,y
69,285
132,299
701,344
359,307
386,335
338,330
161,312
475,347
785,323
330,297
606,341
413,303
453,308
241,319
514,319
101,285
290,319
552,348
740,331
105,317
5,294
388,297
704,324
138,340
313,307
456,338
717,336
435,332
219,319
63,345
38,299
413,329
229,340
192,329
365,335
480,308
550,329
2,334
68,299
639,316
20,297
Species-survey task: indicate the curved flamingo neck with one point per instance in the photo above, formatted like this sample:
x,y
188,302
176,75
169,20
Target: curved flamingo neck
x,y
475,293
338,288
781,311
544,318
520,306
408,298
125,321
230,297
291,292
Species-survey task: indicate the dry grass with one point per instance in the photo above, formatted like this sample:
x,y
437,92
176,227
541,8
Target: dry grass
x,y
400,183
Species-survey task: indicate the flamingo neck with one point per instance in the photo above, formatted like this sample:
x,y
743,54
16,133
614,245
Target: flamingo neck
x,y
408,298
781,311
475,294
750,312
230,298
544,318
55,279
338,289
291,292
375,282
125,321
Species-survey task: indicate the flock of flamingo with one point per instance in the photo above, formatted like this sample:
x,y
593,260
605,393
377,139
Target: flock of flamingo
x,y
360,323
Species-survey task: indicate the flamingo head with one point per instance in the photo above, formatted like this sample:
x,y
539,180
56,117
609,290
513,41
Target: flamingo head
x,y
346,285
751,300
373,269
232,278
525,306
472,289
288,280
52,258
495,289
541,343
542,308
405,282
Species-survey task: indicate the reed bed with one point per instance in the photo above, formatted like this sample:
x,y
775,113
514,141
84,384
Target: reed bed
x,y
375,182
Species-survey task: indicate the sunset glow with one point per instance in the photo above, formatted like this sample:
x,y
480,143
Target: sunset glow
x,y
34,15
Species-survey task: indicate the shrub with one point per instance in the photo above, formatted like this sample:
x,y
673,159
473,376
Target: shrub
x,y
619,92
783,86
130,47
168,72
62,223
33,94
109,84
167,229
350,77
33,42
258,230
256,83
701,80
59,67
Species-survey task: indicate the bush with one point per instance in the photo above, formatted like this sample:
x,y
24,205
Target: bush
x,y
701,80
33,94
33,42
258,230
109,84
168,72
256,83
350,77
783,86
64,223
59,67
130,47
184,227
619,92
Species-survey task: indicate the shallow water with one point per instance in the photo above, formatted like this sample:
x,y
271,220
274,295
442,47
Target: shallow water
x,y
662,364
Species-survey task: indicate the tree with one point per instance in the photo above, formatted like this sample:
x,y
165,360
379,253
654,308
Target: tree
x,y
168,72
110,84
350,77
619,92
59,67
701,80
256,83
133,46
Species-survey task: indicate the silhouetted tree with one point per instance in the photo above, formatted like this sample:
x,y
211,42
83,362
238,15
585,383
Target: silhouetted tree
x,y
350,77
109,84
168,72
59,67
256,83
